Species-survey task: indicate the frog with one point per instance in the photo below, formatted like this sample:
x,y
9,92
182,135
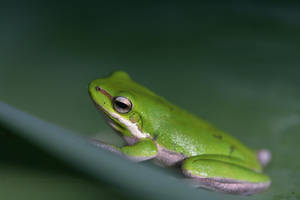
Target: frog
x,y
158,130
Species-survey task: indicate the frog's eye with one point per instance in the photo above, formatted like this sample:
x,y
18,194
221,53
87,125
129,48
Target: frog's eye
x,y
122,104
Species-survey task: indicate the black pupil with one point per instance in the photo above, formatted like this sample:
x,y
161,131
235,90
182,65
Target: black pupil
x,y
121,105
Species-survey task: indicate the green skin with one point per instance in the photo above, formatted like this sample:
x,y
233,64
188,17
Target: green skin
x,y
156,129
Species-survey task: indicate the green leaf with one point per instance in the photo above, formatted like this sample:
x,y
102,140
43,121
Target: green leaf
x,y
139,180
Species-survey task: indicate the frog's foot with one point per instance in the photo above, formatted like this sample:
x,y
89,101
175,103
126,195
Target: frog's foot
x,y
219,174
108,147
264,156
140,151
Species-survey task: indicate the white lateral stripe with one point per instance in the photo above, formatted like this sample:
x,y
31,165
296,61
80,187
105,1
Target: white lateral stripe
x,y
132,127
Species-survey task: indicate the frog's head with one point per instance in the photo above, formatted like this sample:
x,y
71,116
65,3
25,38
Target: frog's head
x,y
127,106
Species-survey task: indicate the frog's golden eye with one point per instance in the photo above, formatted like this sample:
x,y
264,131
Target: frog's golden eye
x,y
122,104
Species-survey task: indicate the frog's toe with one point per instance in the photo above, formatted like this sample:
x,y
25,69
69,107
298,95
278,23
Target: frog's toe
x,y
264,156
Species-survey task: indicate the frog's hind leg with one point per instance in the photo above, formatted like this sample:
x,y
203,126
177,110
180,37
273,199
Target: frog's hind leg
x,y
220,174
264,156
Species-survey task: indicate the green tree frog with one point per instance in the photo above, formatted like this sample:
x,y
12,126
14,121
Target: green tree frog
x,y
154,128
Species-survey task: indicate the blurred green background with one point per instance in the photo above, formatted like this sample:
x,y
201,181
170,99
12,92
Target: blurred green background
x,y
235,64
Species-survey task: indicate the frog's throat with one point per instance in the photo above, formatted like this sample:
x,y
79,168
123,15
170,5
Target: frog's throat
x,y
131,127
118,122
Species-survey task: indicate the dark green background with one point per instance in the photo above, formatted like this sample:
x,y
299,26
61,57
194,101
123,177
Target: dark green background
x,y
234,64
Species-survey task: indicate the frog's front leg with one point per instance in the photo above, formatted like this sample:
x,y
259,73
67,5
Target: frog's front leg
x,y
142,150
222,173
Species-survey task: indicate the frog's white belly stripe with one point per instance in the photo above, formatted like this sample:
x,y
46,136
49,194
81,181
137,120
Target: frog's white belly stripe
x,y
132,127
